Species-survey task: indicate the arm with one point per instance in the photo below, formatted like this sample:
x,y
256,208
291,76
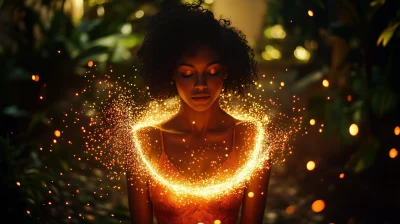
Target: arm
x,y
140,205
253,207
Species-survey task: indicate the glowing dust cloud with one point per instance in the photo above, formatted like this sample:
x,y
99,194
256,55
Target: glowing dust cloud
x,y
117,109
206,189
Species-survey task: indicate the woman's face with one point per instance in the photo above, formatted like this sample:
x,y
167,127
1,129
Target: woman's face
x,y
199,78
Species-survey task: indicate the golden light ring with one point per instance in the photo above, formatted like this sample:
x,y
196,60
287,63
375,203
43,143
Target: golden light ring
x,y
256,159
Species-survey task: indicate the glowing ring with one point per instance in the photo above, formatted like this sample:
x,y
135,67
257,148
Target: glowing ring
x,y
229,184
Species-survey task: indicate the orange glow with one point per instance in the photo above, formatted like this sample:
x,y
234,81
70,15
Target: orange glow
x,y
35,78
349,98
290,210
310,165
90,63
393,153
312,122
353,129
18,184
341,175
28,212
397,130
57,133
318,206
250,194
217,222
310,13
325,83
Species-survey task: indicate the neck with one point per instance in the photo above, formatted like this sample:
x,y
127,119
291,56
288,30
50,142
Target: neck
x,y
199,121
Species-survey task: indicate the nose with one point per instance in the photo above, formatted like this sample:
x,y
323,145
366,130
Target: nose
x,y
201,82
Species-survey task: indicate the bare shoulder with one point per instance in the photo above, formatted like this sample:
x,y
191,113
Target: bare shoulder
x,y
148,132
245,139
246,127
150,141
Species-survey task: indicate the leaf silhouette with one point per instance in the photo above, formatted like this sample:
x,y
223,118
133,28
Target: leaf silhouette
x,y
387,34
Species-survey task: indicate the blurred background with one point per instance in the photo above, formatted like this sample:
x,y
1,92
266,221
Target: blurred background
x,y
337,56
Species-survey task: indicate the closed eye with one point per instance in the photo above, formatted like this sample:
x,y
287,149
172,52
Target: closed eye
x,y
185,71
213,71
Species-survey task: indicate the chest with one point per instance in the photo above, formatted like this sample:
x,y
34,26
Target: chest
x,y
197,158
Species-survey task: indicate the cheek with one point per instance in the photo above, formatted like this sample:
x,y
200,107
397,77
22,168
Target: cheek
x,y
216,83
184,84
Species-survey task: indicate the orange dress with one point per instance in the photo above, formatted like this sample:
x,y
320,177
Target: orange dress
x,y
171,209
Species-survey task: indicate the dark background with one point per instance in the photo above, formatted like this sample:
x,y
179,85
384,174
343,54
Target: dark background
x,y
46,49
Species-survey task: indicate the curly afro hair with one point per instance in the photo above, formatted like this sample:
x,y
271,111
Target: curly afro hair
x,y
181,28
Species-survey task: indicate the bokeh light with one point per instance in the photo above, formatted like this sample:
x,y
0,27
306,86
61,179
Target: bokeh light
x,y
290,209
397,130
353,129
310,165
393,153
301,53
139,14
325,83
35,78
318,206
57,133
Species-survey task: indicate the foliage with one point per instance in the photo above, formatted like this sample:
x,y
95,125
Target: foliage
x,y
362,88
43,57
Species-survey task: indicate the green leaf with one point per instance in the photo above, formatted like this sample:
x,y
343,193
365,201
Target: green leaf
x,y
107,41
383,100
64,165
130,41
320,3
120,54
36,119
387,34
15,111
365,156
96,53
377,3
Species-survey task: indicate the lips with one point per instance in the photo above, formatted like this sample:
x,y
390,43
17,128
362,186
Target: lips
x,y
201,97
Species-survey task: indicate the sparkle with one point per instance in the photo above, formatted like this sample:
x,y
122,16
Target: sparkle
x,y
110,125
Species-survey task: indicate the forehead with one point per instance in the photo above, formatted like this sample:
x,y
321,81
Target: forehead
x,y
199,54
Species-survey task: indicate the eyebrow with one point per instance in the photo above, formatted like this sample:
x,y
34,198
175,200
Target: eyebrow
x,y
190,65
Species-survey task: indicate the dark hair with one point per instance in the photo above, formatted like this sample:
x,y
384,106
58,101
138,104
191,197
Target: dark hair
x,y
178,29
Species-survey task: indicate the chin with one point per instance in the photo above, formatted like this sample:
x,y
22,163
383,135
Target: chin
x,y
199,107
200,104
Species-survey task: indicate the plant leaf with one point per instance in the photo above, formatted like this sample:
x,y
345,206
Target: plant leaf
x,y
387,34
365,156
383,100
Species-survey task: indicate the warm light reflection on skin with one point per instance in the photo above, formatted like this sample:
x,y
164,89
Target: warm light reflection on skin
x,y
111,121
155,115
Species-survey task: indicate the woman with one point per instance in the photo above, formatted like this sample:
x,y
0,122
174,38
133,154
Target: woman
x,y
188,52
